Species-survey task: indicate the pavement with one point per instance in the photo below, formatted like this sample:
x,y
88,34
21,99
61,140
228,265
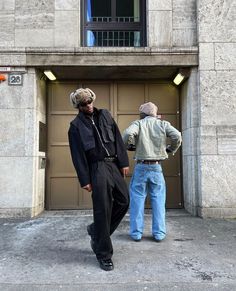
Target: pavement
x,y
52,252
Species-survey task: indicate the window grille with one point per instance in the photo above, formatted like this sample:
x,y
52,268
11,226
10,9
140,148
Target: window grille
x,y
113,38
115,23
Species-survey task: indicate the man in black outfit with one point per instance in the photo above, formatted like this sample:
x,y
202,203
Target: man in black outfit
x,y
101,162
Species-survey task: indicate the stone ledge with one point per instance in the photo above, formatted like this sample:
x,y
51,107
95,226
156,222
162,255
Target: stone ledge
x,y
86,50
15,212
206,212
26,212
99,57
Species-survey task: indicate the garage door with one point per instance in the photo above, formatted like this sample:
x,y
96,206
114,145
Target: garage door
x,y
123,100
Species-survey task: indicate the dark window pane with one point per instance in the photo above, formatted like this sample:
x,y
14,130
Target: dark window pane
x,y
127,10
99,38
98,8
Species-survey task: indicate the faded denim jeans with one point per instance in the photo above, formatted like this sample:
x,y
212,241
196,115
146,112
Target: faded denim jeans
x,y
147,179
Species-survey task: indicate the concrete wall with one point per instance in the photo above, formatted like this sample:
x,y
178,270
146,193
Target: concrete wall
x,y
217,87
40,111
21,182
39,23
171,23
208,97
190,147
56,23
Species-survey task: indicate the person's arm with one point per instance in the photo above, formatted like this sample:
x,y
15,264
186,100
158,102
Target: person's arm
x,y
175,137
130,134
79,158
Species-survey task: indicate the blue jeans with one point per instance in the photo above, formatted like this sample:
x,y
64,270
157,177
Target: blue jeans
x,y
147,179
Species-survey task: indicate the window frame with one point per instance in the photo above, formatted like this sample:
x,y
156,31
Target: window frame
x,y
113,25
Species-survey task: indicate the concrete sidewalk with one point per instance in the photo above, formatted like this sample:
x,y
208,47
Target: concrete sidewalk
x,y
52,252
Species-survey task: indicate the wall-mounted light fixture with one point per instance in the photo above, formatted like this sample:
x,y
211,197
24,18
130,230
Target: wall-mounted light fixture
x,y
50,75
182,75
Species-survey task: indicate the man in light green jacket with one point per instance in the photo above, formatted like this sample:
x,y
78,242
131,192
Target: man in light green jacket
x,y
148,136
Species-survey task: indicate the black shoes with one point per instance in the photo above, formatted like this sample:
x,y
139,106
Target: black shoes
x,y
106,264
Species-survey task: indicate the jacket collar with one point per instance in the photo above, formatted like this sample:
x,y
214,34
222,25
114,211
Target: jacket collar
x,y
84,118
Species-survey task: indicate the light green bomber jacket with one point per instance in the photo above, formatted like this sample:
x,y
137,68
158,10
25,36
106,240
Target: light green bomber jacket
x,y
149,135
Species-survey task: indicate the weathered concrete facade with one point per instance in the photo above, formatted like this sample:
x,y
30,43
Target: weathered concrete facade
x,y
22,179
43,34
56,23
217,85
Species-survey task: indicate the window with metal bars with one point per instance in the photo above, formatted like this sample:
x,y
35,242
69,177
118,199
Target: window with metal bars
x,y
114,23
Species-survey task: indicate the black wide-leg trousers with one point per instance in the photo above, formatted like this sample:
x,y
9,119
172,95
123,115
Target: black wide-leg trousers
x,y
110,198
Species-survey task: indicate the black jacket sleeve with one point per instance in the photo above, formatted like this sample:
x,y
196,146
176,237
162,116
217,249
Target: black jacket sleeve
x,y
122,156
78,156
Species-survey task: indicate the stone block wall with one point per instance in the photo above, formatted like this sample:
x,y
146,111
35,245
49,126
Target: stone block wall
x,y
208,98
21,179
172,23
217,87
56,23
51,23
190,153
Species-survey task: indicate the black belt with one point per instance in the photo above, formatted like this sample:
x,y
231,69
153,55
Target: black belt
x,y
109,159
148,162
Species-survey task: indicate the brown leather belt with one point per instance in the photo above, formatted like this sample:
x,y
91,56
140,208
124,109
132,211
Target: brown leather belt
x,y
148,162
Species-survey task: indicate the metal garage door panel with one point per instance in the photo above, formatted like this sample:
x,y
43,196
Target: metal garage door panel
x,y
60,162
131,161
64,193
102,92
60,100
171,166
123,100
166,96
85,199
67,194
124,121
127,180
130,97
173,119
173,191
173,187
63,188
59,128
